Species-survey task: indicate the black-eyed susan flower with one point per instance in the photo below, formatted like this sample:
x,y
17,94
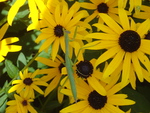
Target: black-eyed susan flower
x,y
53,73
101,6
34,7
6,43
91,101
28,83
62,18
21,104
125,45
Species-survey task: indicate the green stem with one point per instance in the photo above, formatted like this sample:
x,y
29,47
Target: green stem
x,y
31,61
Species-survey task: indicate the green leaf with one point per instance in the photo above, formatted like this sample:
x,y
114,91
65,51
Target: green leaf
x,y
3,98
21,61
142,104
3,107
12,70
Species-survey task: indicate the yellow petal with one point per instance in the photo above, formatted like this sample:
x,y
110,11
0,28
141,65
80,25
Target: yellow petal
x,y
14,9
55,48
121,102
137,67
124,19
96,85
52,85
57,14
3,30
111,23
132,78
143,28
47,43
114,63
75,107
37,89
107,55
88,5
33,11
126,68
45,12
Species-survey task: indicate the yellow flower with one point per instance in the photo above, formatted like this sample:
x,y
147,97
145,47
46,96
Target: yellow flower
x,y
6,43
55,22
28,83
34,7
125,44
101,6
53,73
91,101
21,104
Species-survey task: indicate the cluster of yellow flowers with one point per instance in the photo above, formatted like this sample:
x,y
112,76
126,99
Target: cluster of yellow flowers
x,y
92,85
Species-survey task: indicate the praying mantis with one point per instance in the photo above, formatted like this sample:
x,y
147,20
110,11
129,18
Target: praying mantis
x,y
69,63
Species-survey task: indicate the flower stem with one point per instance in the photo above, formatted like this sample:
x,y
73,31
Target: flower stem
x,y
31,61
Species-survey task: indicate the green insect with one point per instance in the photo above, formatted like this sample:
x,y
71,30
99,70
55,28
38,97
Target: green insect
x,y
69,65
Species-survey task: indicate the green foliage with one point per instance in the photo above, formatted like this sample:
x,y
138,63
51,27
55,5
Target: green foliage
x,y
12,70
21,61
3,97
139,96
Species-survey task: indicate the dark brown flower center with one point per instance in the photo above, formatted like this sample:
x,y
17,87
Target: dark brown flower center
x,y
24,103
129,41
58,31
27,81
84,69
102,8
96,100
